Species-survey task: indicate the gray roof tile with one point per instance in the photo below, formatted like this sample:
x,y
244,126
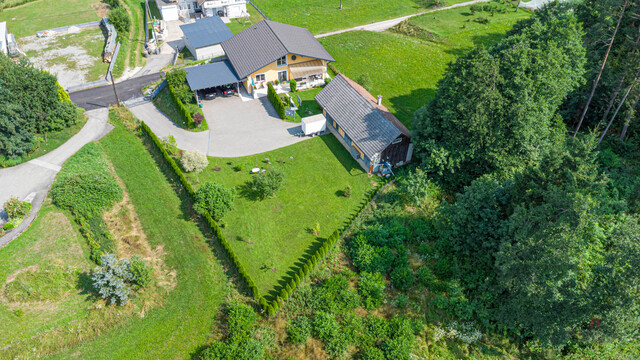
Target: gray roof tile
x,y
211,75
206,32
266,42
363,122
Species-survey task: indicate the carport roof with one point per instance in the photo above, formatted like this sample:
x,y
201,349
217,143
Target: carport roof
x,y
211,75
206,32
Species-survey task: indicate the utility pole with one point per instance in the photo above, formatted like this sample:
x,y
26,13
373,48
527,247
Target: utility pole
x,y
115,92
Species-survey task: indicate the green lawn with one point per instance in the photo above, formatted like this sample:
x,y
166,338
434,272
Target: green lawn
x,y
309,106
406,69
46,14
325,16
184,321
51,142
239,24
275,233
164,103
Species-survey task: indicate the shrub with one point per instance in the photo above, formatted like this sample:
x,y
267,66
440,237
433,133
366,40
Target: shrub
x,y
334,295
415,188
316,229
176,78
16,209
425,277
198,119
481,20
275,101
85,185
170,144
266,184
327,81
8,226
277,82
372,353
141,273
194,161
347,191
183,93
299,330
110,279
214,199
240,320
371,288
327,329
294,85
238,167
402,278
120,20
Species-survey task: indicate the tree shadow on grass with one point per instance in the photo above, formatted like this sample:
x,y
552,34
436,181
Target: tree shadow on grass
x,y
246,192
85,286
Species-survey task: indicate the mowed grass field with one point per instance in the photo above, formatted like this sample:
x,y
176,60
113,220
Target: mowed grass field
x,y
183,323
27,19
275,233
325,16
405,69
48,309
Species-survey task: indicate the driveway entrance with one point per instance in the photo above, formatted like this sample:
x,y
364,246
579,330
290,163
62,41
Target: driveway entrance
x,y
245,128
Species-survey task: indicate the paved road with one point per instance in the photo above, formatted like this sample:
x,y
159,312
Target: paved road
x,y
34,177
387,24
103,96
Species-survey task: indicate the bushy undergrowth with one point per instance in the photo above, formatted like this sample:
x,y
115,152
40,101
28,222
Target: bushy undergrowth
x,y
85,185
115,277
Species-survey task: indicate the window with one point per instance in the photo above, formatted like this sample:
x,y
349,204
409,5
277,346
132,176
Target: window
x,y
282,61
357,153
282,75
260,78
396,141
341,131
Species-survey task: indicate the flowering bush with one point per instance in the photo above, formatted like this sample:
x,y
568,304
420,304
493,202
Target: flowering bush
x,y
194,161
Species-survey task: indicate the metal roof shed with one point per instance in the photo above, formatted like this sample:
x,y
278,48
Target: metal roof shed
x,y
204,36
211,75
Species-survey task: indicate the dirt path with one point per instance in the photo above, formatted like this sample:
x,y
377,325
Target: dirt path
x,y
387,24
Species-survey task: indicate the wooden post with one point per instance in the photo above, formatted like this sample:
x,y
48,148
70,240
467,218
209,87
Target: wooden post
x,y
115,92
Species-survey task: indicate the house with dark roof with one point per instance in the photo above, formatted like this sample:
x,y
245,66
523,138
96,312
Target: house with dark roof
x,y
374,136
204,37
269,51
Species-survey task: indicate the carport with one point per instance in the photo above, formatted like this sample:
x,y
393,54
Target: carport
x,y
212,75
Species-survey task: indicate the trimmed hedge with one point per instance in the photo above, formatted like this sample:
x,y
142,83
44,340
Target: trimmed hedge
x,y
308,265
212,223
275,100
182,109
333,68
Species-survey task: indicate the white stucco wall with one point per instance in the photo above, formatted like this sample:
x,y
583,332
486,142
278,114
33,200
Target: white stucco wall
x,y
169,13
209,52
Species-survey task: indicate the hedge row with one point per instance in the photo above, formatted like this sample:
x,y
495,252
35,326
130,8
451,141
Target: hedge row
x,y
212,224
182,108
333,68
275,100
302,273
311,262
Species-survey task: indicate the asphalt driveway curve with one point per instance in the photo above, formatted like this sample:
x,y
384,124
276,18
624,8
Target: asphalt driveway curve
x,y
34,178
102,96
236,128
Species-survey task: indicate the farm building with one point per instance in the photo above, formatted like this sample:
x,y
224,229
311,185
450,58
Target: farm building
x,y
376,138
204,36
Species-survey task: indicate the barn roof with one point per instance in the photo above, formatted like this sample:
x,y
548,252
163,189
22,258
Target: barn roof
x,y
371,126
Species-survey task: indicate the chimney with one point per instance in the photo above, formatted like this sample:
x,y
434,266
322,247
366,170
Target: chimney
x,y
379,100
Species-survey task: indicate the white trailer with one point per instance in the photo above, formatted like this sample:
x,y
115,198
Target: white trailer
x,y
314,125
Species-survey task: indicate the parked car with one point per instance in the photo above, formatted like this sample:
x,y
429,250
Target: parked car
x,y
210,94
228,90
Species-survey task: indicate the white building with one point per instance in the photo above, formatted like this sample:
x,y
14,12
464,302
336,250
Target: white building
x,y
224,8
3,37
204,36
176,9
